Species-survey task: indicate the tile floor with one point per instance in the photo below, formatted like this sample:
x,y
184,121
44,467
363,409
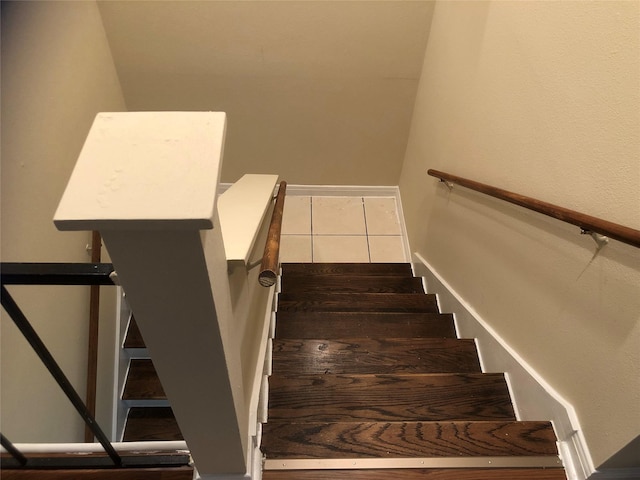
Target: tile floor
x,y
341,229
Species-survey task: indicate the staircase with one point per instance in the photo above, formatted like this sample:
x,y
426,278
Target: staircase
x,y
149,415
369,381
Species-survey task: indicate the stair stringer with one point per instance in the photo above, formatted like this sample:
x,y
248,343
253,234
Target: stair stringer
x,y
533,398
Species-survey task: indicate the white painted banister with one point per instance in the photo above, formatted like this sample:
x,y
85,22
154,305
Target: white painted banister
x,y
242,209
147,181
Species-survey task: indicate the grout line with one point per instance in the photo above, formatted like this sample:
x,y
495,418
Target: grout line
x,y
311,223
366,229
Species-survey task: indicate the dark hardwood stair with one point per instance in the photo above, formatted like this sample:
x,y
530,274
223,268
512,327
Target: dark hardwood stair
x,y
366,368
143,382
336,325
376,356
149,418
370,269
350,284
357,302
134,338
404,397
407,439
151,423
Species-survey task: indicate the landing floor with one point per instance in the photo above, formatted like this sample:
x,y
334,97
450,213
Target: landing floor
x,y
342,229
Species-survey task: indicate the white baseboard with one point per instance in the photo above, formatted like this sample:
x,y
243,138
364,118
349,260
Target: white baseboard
x,y
533,397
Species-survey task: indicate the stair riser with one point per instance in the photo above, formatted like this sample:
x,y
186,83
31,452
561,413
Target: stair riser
x,y
143,382
358,302
335,325
150,424
398,269
350,284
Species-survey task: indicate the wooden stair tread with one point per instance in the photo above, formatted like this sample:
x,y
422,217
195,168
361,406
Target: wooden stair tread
x,y
361,302
411,397
419,474
133,338
385,356
151,423
351,284
143,382
402,269
407,439
364,369
371,324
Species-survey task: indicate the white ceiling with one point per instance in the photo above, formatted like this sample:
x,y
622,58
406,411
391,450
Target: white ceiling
x,y
319,92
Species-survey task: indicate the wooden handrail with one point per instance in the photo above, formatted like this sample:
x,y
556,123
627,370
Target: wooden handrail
x,y
587,223
270,258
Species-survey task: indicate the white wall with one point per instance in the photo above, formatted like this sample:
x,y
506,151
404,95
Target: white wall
x,y
317,92
540,98
57,73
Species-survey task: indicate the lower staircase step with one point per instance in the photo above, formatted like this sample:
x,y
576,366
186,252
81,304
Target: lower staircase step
x,y
133,338
412,397
370,324
420,474
358,302
151,423
384,356
407,439
143,382
401,269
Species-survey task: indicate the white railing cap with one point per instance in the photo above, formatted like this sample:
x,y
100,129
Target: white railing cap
x,y
242,209
146,171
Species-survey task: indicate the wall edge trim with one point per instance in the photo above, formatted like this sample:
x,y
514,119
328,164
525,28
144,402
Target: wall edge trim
x,y
572,445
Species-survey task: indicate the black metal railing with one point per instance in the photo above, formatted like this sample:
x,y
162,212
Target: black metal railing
x,y
54,274
67,274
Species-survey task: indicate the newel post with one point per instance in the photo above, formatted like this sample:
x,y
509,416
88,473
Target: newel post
x,y
147,182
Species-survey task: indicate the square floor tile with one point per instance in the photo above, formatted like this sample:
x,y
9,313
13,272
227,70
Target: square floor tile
x,y
389,248
382,216
337,215
296,218
295,248
339,248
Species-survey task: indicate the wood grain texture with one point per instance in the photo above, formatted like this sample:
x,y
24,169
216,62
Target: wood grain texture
x,y
143,382
351,284
415,397
363,369
385,356
399,269
358,302
407,439
151,423
420,474
271,256
332,325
